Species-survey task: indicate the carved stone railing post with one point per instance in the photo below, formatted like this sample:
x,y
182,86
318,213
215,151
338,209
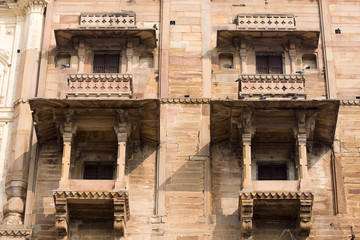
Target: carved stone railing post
x,y
62,219
67,138
246,141
122,135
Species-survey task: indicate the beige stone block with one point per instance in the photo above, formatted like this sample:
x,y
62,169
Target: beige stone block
x,y
185,7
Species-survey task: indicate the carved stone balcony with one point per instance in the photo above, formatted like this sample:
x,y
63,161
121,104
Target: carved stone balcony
x,y
89,205
272,85
102,85
266,21
275,205
108,20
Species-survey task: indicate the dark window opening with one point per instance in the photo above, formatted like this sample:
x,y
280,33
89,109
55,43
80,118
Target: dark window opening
x,y
272,171
98,170
269,64
106,63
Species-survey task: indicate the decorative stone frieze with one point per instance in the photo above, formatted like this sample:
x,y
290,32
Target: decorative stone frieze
x,y
120,201
272,85
246,209
266,21
350,102
185,100
15,234
106,85
108,20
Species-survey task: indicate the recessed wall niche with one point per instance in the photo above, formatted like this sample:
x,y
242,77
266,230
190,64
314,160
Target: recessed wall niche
x,y
226,60
146,60
62,60
309,61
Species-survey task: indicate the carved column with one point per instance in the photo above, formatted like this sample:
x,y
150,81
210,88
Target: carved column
x,y
246,217
62,219
292,54
122,134
243,57
301,145
129,56
67,138
246,141
17,174
81,54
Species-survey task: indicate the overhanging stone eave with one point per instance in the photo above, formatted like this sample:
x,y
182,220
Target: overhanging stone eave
x,y
326,115
45,124
63,37
309,37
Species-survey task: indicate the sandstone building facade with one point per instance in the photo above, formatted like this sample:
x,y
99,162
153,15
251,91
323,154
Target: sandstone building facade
x,y
179,119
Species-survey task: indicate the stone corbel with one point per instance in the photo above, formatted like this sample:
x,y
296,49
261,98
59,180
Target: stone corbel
x,y
246,217
62,219
305,217
35,6
81,55
120,217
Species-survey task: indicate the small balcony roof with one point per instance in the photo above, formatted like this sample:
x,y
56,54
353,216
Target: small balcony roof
x,y
326,112
64,37
145,112
309,38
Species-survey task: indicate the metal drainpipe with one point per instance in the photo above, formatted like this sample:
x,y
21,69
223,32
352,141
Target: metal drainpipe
x,y
323,45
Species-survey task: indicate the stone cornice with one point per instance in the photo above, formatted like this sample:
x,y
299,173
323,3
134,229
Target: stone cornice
x,y
90,195
34,6
185,100
350,102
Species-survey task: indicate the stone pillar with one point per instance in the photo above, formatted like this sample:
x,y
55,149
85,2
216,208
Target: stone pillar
x,y
81,54
301,146
16,180
121,131
243,57
246,141
292,54
129,57
246,210
67,139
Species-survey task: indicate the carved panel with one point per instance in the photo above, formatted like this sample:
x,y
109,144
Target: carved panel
x,y
266,21
100,85
272,85
108,20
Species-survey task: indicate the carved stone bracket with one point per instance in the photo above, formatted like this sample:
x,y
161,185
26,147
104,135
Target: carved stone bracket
x,y
119,199
246,206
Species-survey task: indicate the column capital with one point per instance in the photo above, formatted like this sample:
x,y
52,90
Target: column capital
x,y
34,6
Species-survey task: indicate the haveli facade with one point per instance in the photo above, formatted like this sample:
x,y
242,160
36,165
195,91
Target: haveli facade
x,y
180,120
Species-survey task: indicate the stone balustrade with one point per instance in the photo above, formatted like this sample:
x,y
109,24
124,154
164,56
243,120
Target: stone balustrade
x,y
102,85
108,20
272,85
266,21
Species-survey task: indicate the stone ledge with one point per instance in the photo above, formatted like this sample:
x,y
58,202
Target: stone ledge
x,y
22,233
276,195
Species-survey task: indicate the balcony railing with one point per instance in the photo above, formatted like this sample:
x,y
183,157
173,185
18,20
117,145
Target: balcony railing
x,y
266,21
272,85
102,85
108,20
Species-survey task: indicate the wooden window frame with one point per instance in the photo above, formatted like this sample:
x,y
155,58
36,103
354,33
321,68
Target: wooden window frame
x,y
98,174
271,67
272,173
106,66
